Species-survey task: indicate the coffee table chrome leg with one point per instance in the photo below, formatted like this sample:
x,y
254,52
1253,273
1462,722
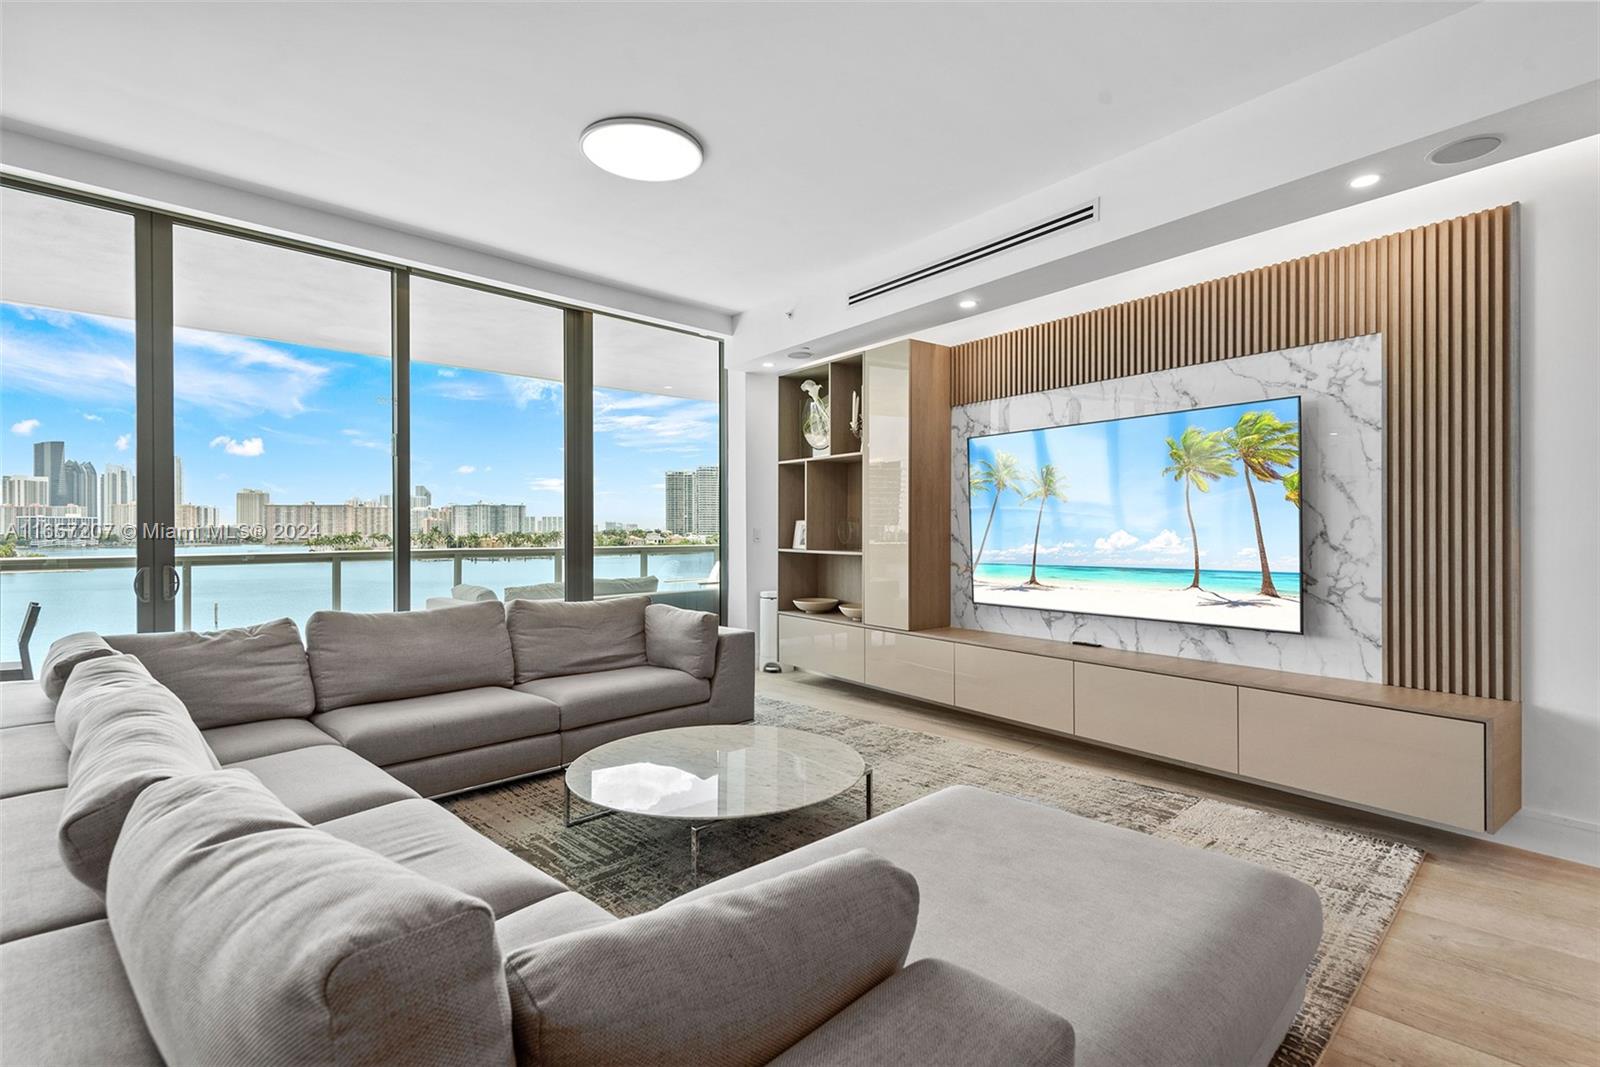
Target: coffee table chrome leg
x,y
566,816
869,792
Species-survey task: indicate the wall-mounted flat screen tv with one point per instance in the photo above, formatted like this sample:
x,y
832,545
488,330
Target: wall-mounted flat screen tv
x,y
1185,516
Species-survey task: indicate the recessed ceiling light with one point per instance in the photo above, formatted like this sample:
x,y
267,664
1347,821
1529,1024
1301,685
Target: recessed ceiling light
x,y
1365,181
646,150
967,304
1464,149
769,364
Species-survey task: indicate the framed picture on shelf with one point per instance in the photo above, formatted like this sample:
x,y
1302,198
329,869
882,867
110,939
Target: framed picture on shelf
x,y
799,533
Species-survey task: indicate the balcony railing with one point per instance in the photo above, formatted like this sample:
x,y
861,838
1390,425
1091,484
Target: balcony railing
x,y
335,560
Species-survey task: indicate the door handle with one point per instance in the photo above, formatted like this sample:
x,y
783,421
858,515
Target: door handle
x,y
170,583
141,584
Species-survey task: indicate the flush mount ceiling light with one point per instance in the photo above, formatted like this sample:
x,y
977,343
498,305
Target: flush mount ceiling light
x,y
1463,150
646,150
1365,181
967,305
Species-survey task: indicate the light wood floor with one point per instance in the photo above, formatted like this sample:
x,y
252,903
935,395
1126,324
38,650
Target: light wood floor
x,y
1493,959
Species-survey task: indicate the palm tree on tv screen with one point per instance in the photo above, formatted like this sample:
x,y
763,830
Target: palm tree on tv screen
x,y
1199,457
1262,443
1043,485
998,475
1291,488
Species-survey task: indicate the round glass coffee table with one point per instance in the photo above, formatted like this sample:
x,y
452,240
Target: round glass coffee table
x,y
701,775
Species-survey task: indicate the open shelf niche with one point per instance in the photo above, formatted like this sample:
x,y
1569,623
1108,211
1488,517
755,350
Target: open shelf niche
x,y
823,490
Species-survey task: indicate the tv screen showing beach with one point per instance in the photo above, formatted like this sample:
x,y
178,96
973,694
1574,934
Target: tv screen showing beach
x,y
1185,516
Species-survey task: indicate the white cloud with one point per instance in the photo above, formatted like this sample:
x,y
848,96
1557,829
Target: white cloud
x,y
250,446
92,417
25,427
446,372
546,485
466,468
1056,553
123,441
1165,543
651,423
525,391
1115,542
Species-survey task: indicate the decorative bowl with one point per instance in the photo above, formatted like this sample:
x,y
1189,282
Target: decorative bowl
x,y
853,612
815,605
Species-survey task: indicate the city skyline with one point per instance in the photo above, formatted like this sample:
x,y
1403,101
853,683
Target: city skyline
x,y
312,425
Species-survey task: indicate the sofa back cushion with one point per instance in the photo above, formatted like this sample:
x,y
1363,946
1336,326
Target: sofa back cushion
x,y
472,592
128,732
227,677
251,937
361,658
66,653
552,637
732,978
681,639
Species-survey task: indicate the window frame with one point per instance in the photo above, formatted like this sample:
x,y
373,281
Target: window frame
x,y
156,573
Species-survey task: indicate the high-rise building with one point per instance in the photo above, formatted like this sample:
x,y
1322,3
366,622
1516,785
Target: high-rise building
x,y
680,502
19,490
481,518
48,459
548,524
80,485
421,497
117,488
707,502
250,508
177,480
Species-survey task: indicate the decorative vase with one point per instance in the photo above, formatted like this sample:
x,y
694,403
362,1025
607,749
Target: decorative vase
x,y
814,422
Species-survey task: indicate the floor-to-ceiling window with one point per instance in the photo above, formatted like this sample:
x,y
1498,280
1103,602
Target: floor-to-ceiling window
x,y
198,429
657,464
68,422
486,443
282,420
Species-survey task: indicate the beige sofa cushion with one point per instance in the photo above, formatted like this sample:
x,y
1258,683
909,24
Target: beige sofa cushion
x,y
551,638
65,654
361,658
245,674
250,937
129,734
731,979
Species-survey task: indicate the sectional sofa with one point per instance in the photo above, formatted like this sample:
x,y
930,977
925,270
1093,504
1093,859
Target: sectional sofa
x,y
183,880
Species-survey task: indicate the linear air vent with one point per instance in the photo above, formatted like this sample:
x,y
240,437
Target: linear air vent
x,y
1076,217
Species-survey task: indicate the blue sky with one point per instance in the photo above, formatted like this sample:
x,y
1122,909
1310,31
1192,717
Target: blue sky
x,y
311,424
1120,511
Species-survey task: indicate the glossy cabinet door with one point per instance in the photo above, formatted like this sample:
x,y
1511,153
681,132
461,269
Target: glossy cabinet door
x,y
1036,690
886,490
837,649
1426,766
918,667
1179,718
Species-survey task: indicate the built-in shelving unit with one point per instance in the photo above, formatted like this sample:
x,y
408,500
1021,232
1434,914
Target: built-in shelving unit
x,y
823,489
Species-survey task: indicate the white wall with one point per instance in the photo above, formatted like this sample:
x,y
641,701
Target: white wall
x,y
1559,190
752,492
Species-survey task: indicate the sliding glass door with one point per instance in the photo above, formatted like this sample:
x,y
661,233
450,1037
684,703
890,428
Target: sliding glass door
x,y
282,417
70,441
487,500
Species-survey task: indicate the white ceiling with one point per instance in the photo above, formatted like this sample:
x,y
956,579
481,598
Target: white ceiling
x,y
832,130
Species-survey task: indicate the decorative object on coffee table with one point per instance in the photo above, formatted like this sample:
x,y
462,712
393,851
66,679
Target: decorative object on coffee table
x,y
815,605
702,775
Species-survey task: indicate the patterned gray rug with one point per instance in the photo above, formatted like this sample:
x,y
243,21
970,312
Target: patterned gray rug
x,y
630,865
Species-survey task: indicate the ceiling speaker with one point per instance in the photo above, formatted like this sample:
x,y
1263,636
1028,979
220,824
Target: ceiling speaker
x,y
1463,150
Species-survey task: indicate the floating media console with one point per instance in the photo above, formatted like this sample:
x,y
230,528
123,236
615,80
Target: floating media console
x,y
1455,761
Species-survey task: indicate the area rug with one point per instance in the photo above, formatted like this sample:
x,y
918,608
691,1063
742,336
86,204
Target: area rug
x,y
630,865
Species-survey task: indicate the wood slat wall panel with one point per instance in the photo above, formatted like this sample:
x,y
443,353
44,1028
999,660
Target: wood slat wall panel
x,y
1443,298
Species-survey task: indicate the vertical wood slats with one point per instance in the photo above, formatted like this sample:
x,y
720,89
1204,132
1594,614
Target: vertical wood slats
x,y
1442,297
